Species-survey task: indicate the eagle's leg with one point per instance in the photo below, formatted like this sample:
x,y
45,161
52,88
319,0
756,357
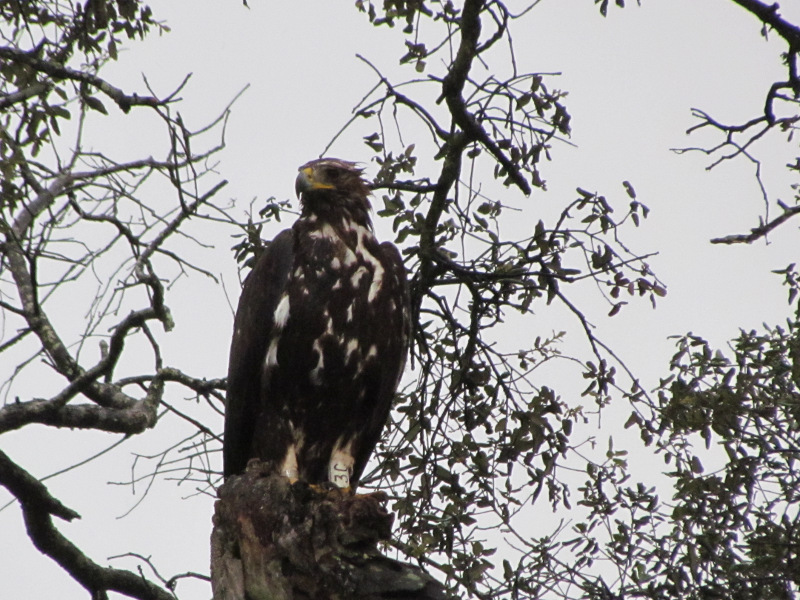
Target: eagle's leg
x,y
340,468
289,466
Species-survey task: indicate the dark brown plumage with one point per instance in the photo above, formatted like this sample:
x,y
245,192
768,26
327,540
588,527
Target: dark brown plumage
x,y
319,338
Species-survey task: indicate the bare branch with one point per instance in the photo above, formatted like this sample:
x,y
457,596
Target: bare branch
x,y
769,15
96,579
405,186
30,490
135,418
37,507
175,223
57,71
21,95
453,86
760,231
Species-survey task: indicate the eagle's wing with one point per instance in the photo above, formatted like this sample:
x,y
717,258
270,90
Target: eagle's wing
x,y
400,309
252,327
393,316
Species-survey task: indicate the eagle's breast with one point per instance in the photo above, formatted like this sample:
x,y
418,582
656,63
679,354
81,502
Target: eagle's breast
x,y
334,316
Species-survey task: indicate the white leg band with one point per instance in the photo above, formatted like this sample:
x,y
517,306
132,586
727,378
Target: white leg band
x,y
339,474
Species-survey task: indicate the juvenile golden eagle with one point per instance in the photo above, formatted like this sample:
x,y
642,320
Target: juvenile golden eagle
x,y
319,338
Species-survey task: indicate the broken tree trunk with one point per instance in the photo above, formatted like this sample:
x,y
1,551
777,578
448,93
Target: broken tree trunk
x,y
274,540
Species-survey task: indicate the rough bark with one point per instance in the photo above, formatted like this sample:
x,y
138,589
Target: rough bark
x,y
281,541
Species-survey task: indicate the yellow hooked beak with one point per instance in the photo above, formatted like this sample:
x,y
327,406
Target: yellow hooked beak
x,y
306,181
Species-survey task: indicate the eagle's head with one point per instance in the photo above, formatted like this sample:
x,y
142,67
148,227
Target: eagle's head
x,y
332,188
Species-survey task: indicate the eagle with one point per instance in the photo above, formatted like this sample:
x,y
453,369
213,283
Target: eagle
x,y
320,338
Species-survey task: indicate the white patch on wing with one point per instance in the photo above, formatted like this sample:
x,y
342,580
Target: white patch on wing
x,y
281,315
373,351
377,267
272,354
377,278
329,326
336,264
326,231
351,347
316,373
350,313
350,258
360,273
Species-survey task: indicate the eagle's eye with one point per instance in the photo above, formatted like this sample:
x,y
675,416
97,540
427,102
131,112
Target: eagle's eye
x,y
332,174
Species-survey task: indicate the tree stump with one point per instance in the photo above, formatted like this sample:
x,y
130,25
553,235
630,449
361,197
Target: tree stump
x,y
273,540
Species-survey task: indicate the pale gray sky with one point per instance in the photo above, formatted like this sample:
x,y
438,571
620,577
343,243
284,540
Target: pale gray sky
x,y
632,79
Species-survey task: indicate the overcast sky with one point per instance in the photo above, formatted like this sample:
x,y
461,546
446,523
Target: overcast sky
x,y
632,79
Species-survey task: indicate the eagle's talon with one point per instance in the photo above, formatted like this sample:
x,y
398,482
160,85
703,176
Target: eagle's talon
x,y
328,488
